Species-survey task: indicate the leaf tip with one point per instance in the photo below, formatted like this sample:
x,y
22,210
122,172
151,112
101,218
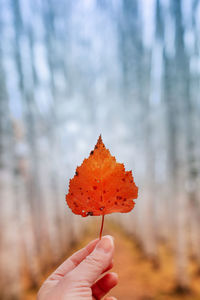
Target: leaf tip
x,y
99,139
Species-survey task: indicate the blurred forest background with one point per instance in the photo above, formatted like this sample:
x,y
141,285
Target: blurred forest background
x,y
70,70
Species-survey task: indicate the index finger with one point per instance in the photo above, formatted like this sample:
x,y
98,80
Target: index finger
x,y
73,261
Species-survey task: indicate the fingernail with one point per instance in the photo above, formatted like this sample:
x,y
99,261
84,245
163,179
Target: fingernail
x,y
106,243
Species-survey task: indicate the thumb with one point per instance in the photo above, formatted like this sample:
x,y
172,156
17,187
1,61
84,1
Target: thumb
x,y
94,264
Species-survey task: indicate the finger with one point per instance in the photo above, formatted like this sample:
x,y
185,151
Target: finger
x,y
104,285
69,264
89,270
108,268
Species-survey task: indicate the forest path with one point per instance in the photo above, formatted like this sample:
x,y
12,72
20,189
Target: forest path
x,y
138,278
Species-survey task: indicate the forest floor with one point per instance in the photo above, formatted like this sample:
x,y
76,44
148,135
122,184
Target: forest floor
x,y
138,277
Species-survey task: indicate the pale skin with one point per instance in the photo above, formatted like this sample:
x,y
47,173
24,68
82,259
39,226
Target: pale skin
x,y
82,276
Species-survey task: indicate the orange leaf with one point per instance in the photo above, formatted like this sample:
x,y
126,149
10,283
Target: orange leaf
x,y
101,185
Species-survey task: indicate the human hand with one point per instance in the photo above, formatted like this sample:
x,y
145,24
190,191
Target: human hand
x,y
78,277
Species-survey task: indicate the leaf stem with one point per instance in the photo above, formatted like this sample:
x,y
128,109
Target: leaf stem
x,y
102,222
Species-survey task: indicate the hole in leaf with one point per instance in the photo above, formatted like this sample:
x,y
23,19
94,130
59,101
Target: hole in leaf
x,y
89,213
